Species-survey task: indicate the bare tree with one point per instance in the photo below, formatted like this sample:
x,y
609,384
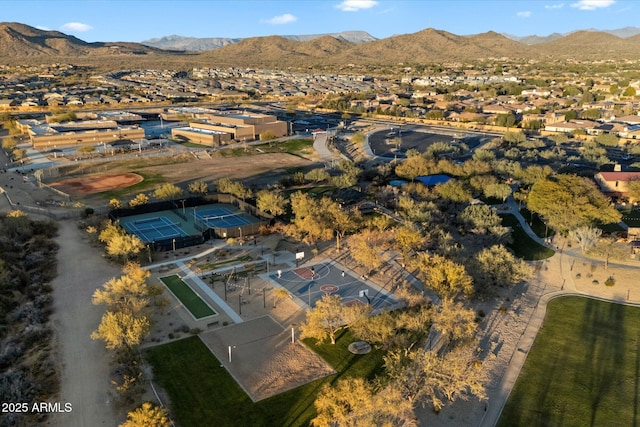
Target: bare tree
x,y
586,237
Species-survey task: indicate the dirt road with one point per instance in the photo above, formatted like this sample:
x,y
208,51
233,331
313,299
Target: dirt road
x,y
85,363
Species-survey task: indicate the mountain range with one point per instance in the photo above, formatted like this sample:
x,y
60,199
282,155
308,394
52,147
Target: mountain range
x,y
22,44
199,44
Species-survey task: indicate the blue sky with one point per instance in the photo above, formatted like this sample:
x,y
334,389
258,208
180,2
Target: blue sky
x,y
135,21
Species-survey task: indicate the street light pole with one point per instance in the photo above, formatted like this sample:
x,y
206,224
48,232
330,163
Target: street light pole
x,y
309,297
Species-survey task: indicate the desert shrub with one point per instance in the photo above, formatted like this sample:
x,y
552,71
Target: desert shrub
x,y
595,282
610,281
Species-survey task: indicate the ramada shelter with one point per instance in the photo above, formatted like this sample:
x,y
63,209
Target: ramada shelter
x,y
614,184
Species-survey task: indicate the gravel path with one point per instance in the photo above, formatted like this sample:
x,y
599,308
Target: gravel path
x,y
85,363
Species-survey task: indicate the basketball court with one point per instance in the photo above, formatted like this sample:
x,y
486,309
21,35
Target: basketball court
x,y
310,283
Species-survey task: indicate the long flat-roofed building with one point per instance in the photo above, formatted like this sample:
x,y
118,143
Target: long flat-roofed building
x,y
240,126
46,136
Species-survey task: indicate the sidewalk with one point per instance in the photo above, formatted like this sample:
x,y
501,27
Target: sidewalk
x,y
574,275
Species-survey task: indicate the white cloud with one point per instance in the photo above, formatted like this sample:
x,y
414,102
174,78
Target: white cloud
x,y
523,14
592,4
554,6
282,19
43,28
76,27
356,5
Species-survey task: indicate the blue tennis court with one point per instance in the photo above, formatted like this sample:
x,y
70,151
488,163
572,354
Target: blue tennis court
x,y
154,229
220,217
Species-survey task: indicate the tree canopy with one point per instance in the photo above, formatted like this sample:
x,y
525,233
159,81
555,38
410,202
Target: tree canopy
x,y
567,202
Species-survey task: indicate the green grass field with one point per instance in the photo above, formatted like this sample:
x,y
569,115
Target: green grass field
x,y
187,297
523,246
583,369
204,394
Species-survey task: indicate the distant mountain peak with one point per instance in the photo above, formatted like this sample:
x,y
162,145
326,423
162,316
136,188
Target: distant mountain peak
x,y
624,33
176,42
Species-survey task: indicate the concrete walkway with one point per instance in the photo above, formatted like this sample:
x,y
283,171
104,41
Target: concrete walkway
x,y
320,145
565,258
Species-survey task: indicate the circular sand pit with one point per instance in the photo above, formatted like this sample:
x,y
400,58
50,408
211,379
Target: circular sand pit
x,y
96,183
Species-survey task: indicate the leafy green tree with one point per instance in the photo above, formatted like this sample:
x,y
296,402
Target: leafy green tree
x,y
118,242
148,415
571,91
358,138
496,265
408,238
629,91
9,143
608,139
445,277
267,136
121,330
591,114
140,199
633,190
168,192
514,137
454,321
569,201
198,187
498,190
454,191
414,166
308,222
479,218
427,378
505,120
317,175
413,210
570,115
368,247
339,219
115,203
328,317
271,202
236,188
129,292
353,402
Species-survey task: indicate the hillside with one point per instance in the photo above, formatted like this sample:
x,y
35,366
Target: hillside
x,y
21,44
591,45
199,44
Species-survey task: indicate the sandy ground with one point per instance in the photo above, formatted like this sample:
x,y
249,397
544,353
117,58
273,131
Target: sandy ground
x,y
96,183
265,361
85,366
507,335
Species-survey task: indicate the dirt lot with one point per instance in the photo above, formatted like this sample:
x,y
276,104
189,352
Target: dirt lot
x,y
182,169
96,183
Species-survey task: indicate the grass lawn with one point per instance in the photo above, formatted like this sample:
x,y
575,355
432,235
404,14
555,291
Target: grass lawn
x,y
523,246
583,368
189,299
537,224
203,393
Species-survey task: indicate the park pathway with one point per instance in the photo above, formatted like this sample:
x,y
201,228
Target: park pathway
x,y
563,284
86,364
